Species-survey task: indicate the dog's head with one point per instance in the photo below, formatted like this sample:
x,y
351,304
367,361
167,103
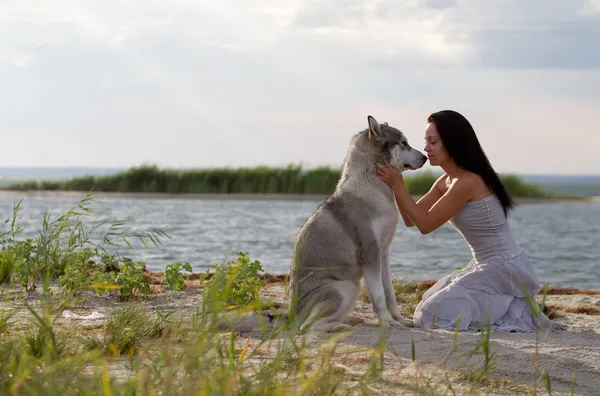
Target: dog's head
x,y
391,145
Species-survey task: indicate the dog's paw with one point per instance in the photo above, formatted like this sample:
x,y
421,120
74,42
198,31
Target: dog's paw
x,y
397,323
550,325
353,320
335,327
386,324
399,318
406,322
557,326
332,327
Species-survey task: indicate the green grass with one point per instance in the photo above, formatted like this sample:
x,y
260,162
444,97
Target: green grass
x,y
148,346
259,180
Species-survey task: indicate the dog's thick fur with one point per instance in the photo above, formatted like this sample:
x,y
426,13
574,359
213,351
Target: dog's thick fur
x,y
348,237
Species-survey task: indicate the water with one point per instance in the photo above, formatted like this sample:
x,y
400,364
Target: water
x,y
559,237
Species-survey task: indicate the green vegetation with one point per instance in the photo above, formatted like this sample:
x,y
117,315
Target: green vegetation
x,y
259,180
146,347
518,188
573,189
64,250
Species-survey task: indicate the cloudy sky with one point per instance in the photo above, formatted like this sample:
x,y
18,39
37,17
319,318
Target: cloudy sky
x,y
202,83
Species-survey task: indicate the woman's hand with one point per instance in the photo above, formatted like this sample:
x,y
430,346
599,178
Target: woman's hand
x,y
389,175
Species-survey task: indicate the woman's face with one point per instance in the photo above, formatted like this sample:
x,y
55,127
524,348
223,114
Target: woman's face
x,y
436,152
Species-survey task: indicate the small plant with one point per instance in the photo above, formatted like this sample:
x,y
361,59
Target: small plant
x,y
6,266
78,271
127,327
235,283
485,346
173,277
79,276
131,280
42,339
25,268
537,310
5,320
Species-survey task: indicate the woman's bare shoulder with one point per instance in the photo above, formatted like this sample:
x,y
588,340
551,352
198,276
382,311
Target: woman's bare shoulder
x,y
468,180
476,182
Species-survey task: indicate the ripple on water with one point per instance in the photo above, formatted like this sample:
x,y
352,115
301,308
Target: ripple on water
x,y
560,238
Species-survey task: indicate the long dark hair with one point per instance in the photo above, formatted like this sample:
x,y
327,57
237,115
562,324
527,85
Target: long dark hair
x,y
460,140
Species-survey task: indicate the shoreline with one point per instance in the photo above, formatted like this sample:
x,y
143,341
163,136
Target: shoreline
x,y
250,196
270,278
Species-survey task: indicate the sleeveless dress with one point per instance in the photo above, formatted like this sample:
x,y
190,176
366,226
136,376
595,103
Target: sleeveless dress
x,y
493,285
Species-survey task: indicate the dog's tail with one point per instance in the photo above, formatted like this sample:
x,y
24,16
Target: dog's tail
x,y
253,322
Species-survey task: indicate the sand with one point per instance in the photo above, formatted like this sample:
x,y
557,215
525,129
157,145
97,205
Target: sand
x,y
562,353
574,351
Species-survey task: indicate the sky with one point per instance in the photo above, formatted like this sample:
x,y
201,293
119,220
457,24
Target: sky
x,y
211,84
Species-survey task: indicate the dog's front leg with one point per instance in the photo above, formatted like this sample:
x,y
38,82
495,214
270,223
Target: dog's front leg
x,y
390,293
374,282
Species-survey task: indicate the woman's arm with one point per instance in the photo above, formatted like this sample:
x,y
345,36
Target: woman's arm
x,y
407,221
446,207
426,201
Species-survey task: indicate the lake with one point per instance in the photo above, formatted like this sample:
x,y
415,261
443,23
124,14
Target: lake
x,y
560,237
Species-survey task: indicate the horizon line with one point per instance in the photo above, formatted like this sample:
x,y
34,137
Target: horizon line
x,y
125,168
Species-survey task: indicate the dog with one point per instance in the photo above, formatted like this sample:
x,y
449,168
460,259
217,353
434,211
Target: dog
x,y
348,237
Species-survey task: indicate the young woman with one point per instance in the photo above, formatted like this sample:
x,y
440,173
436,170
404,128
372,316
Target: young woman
x,y
494,285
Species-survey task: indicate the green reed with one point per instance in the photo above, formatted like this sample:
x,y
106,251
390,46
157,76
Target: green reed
x,y
292,179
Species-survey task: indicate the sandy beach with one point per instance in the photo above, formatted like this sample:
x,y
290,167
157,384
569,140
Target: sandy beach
x,y
566,354
574,351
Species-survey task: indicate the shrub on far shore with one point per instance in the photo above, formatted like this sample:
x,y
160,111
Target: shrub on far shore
x,y
258,180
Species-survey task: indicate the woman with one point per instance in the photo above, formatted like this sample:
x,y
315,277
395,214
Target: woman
x,y
471,196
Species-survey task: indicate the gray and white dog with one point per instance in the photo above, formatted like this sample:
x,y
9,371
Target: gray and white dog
x,y
349,235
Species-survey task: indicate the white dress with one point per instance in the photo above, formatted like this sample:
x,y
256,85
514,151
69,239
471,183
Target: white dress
x,y
494,282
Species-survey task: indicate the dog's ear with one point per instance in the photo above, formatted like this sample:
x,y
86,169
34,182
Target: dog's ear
x,y
374,128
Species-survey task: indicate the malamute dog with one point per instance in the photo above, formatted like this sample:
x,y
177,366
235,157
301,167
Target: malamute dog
x,y
347,238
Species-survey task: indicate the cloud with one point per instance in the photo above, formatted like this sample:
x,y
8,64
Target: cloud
x,y
468,33
201,84
511,34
